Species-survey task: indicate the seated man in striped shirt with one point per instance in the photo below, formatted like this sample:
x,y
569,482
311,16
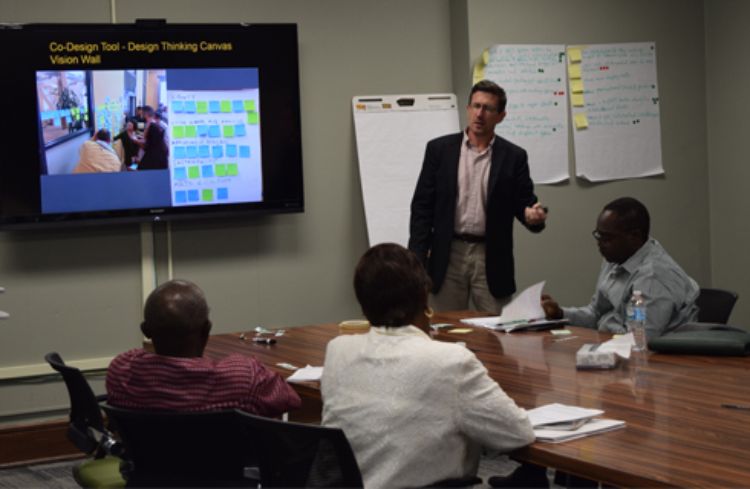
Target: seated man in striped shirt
x,y
177,377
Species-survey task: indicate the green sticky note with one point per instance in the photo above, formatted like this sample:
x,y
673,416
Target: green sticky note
x,y
228,131
249,105
191,131
194,172
178,131
220,170
207,194
202,107
232,169
226,106
252,117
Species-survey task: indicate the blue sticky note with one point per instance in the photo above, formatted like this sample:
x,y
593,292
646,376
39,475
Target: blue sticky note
x,y
244,151
192,152
180,197
207,171
204,151
180,173
214,131
239,130
217,151
177,106
222,193
179,152
214,106
190,107
231,150
202,131
193,195
238,106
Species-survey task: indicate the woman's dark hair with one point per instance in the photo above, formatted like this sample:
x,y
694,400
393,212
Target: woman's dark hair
x,y
391,285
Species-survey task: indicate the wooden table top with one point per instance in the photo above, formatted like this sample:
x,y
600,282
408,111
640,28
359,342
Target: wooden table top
x,y
677,433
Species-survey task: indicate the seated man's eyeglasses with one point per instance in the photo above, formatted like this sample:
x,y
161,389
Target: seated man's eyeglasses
x,y
491,109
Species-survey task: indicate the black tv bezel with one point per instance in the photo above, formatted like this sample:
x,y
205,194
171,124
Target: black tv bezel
x,y
272,48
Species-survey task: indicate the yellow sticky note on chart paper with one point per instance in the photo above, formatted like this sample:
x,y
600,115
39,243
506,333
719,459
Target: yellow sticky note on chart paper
x,y
577,99
576,86
581,121
574,71
574,55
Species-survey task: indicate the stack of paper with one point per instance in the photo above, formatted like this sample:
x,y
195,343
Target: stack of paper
x,y
523,312
558,422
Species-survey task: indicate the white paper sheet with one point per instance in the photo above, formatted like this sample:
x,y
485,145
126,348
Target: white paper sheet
x,y
391,141
593,427
306,374
559,413
525,307
622,136
533,76
620,345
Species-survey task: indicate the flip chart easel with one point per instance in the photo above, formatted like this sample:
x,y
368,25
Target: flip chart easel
x,y
392,131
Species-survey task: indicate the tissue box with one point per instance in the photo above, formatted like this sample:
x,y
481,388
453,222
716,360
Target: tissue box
x,y
589,357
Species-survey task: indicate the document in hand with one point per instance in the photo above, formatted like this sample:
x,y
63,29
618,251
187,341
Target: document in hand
x,y
524,312
558,422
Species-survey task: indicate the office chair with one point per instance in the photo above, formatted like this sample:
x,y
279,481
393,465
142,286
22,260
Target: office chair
x,y
302,455
715,305
183,449
86,430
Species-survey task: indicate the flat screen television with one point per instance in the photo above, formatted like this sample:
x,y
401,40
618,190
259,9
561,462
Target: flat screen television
x,y
148,121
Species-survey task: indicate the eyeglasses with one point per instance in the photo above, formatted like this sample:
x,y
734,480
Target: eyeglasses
x,y
490,109
599,236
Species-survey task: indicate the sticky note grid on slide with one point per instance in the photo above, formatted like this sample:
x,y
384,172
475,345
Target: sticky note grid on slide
x,y
214,139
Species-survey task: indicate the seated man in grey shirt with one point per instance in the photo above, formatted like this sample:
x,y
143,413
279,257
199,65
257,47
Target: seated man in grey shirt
x,y
633,261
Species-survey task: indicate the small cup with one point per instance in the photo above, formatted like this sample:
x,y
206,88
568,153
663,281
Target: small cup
x,y
354,326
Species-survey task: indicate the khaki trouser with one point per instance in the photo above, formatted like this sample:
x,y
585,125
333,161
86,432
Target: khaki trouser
x,y
465,281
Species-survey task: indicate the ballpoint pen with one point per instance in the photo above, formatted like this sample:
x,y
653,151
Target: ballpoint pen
x,y
736,406
565,338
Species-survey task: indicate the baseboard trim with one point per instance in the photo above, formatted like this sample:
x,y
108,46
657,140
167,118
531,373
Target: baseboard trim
x,y
41,442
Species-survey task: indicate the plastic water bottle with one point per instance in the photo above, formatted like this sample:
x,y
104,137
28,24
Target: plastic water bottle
x,y
636,320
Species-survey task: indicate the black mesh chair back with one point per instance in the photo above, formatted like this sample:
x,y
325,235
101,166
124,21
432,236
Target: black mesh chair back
x,y
715,305
84,406
183,449
302,455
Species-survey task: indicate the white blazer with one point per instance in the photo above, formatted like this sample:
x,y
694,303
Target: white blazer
x,y
416,411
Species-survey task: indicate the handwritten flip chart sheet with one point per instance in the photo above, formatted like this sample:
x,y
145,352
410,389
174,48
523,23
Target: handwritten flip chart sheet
x,y
392,132
615,110
533,76
214,139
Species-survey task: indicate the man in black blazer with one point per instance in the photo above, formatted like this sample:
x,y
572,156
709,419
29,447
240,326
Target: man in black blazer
x,y
471,186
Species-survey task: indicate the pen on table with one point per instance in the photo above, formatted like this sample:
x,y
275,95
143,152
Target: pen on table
x,y
736,406
264,341
565,339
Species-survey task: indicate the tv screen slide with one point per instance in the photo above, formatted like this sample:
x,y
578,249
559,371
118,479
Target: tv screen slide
x,y
150,122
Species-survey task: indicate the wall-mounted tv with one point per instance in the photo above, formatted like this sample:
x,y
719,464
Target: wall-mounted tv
x,y
148,121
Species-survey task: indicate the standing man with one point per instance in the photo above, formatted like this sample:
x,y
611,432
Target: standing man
x,y
154,144
471,186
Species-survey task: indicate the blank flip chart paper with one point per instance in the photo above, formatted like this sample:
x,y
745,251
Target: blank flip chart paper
x,y
392,131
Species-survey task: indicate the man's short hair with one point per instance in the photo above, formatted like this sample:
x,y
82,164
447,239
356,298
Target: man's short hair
x,y
148,110
631,214
176,308
103,135
492,88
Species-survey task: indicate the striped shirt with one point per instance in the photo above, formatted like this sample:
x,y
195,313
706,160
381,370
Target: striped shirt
x,y
138,379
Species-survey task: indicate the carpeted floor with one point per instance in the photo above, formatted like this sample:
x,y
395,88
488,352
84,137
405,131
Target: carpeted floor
x,y
57,475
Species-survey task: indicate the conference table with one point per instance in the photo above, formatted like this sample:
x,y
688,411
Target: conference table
x,y
677,433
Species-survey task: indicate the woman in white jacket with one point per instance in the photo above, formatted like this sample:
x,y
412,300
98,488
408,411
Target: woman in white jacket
x,y
416,411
